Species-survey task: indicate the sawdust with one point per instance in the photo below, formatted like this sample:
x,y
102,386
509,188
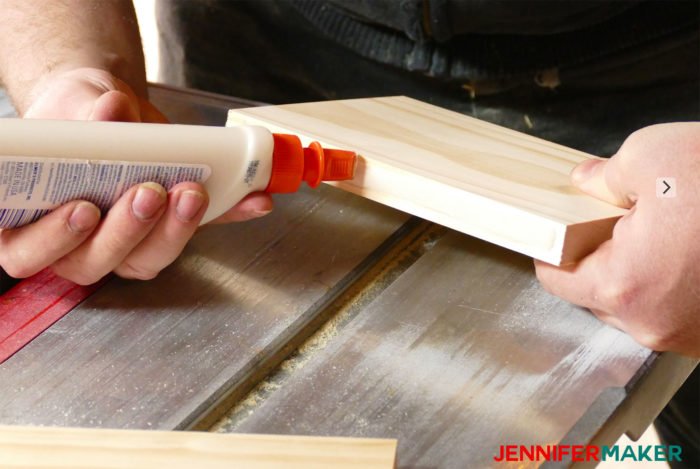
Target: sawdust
x,y
362,292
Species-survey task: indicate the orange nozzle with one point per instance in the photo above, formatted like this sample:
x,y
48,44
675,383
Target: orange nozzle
x,y
291,164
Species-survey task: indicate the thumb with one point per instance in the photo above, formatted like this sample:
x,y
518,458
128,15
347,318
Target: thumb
x,y
115,106
602,180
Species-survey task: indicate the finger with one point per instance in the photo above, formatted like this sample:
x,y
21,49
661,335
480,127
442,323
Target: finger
x,y
581,283
604,180
146,112
251,206
609,319
25,251
114,106
125,225
187,203
604,294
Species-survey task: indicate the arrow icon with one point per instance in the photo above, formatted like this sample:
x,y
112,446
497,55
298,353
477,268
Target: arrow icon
x,y
668,188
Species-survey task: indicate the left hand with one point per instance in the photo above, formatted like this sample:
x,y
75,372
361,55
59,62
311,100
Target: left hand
x,y
646,279
143,232
89,94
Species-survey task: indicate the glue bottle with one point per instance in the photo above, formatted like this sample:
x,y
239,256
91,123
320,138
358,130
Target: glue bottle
x,y
45,163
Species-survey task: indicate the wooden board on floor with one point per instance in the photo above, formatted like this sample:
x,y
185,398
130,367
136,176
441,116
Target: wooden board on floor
x,y
497,184
31,447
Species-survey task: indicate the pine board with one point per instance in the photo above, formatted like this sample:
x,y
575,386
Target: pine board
x,y
32,447
494,183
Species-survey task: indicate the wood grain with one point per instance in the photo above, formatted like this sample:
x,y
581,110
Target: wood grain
x,y
494,183
76,448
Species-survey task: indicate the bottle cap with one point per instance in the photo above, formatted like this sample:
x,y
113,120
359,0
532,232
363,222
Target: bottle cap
x,y
292,163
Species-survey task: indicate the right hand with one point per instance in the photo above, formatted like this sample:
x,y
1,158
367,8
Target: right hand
x,y
143,232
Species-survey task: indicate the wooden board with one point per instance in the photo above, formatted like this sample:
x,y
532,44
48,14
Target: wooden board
x,y
494,183
75,448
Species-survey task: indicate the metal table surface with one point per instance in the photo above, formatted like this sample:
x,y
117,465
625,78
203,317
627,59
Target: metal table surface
x,y
337,316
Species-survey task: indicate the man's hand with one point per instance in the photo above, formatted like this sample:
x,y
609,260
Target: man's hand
x,y
143,232
88,94
646,279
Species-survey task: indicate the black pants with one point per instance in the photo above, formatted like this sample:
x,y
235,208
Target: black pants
x,y
267,51
679,422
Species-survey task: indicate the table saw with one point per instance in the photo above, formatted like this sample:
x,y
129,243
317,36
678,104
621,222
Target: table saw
x,y
335,315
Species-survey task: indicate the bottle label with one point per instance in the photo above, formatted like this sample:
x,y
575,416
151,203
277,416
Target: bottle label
x,y
32,187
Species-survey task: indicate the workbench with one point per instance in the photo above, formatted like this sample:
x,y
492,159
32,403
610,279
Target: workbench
x,y
338,316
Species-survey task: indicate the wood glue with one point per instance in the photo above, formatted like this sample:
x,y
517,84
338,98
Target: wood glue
x,y
46,163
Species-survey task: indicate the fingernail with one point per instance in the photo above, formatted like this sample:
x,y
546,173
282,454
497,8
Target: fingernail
x,y
253,214
149,198
84,217
188,205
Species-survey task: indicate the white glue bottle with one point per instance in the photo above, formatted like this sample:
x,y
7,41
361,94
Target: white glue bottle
x,y
46,163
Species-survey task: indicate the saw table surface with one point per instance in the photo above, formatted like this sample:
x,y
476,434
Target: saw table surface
x,y
338,316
